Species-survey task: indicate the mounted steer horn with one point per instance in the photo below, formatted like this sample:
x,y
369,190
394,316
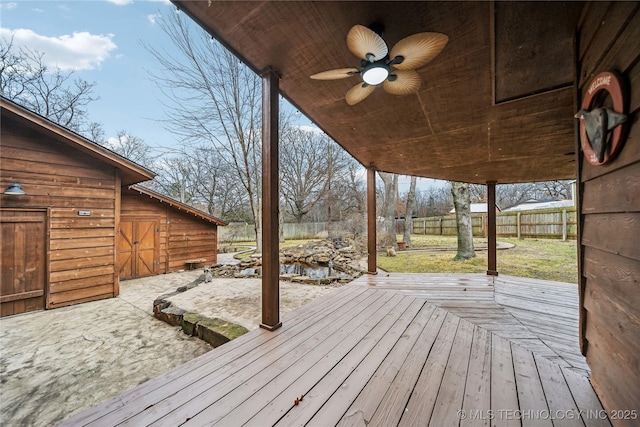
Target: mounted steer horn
x,y
598,123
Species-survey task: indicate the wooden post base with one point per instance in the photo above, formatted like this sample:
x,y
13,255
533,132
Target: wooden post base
x,y
269,327
492,272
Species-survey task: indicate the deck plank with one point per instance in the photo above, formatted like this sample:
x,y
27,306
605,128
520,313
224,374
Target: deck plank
x,y
562,408
451,393
504,394
477,397
416,339
586,399
393,405
531,399
424,395
333,410
277,397
349,377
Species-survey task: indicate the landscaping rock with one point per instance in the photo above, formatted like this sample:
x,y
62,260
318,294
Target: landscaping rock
x,y
189,322
171,315
218,331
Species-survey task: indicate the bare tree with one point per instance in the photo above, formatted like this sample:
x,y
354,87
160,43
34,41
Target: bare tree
x,y
408,216
304,169
175,178
477,193
435,201
387,235
53,94
461,201
130,146
214,99
214,184
556,190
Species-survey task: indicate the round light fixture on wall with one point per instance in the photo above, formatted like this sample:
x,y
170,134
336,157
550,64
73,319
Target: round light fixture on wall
x,y
14,189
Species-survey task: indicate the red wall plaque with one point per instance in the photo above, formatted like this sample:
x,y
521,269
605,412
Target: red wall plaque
x,y
610,83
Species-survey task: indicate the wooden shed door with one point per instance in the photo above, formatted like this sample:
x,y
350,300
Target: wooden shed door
x,y
23,261
138,247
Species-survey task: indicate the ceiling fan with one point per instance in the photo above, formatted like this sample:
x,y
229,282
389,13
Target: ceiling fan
x,y
395,70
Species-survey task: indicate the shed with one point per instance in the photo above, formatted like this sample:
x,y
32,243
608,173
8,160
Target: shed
x,y
159,234
59,244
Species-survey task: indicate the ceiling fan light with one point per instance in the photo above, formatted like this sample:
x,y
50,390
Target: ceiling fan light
x,y
375,75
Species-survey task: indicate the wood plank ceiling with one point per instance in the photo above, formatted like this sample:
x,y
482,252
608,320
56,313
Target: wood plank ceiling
x,y
466,123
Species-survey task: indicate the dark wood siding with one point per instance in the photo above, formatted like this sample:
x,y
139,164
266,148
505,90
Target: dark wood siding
x,y
609,40
23,260
190,238
62,179
182,236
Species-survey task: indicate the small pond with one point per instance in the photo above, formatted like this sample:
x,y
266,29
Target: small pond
x,y
312,271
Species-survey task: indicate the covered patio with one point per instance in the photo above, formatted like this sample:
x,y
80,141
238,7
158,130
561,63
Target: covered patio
x,y
496,106
391,349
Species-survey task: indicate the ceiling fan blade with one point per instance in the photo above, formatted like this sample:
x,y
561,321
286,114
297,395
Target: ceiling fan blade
x,y
418,49
362,41
358,93
338,73
406,82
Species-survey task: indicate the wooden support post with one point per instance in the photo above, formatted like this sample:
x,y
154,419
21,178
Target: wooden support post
x,y
564,225
116,255
372,267
518,223
270,205
491,229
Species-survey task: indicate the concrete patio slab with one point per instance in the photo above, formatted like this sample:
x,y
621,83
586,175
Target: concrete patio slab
x,y
56,363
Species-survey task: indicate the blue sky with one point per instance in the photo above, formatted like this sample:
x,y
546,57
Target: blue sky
x,y
102,41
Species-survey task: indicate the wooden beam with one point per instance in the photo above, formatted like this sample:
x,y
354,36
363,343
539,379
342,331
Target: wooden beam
x,y
491,229
371,221
270,242
116,232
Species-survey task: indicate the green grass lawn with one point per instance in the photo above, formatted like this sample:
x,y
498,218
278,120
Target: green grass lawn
x,y
534,258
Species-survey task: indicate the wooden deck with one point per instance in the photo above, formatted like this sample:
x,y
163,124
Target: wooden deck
x,y
399,349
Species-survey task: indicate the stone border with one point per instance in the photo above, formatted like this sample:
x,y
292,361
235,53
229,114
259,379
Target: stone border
x,y
214,331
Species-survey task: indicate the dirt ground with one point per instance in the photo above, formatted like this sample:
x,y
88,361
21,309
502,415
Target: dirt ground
x,y
55,363
239,300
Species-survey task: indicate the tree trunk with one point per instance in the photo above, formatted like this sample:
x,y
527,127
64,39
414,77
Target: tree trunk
x,y
258,230
387,234
408,216
462,204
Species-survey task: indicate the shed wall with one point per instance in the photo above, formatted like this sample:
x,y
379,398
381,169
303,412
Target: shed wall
x,y
182,236
609,40
81,249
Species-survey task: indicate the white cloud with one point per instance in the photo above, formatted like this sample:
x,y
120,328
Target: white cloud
x,y
8,6
38,10
153,18
79,51
312,129
120,2
167,2
113,143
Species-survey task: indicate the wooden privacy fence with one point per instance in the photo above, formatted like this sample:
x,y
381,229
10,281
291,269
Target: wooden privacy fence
x,y
242,232
540,223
